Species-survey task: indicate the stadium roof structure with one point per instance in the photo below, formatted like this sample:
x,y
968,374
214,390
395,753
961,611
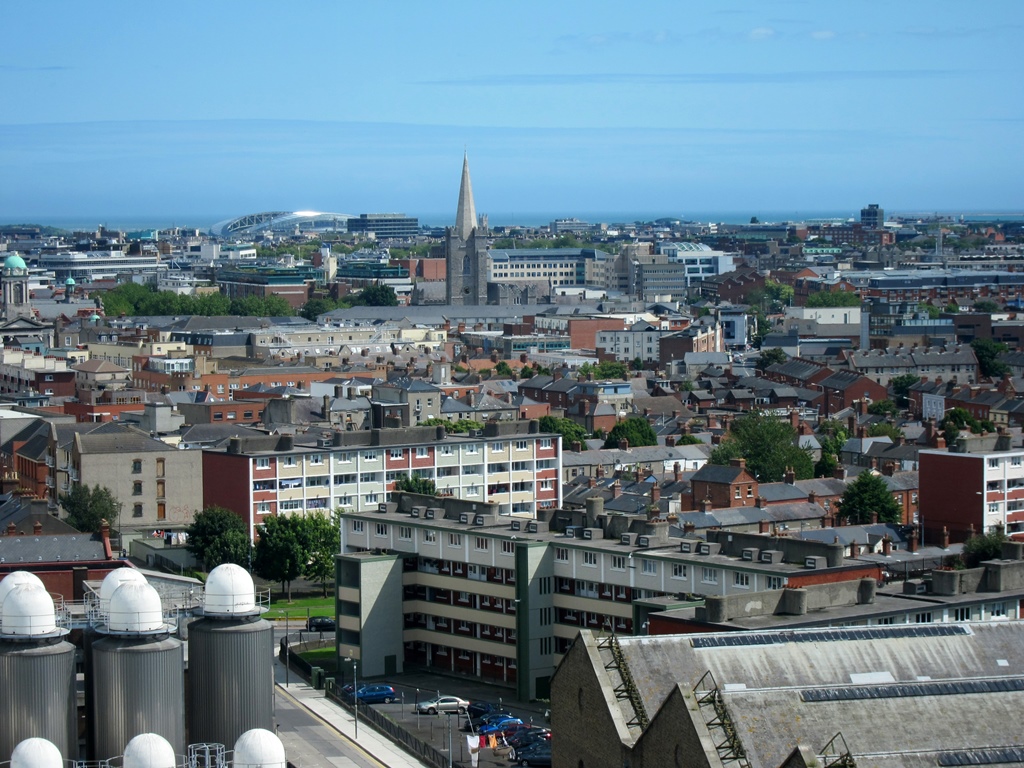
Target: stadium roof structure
x,y
281,221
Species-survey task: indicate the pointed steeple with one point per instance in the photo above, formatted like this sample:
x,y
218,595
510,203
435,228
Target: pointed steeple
x,y
465,217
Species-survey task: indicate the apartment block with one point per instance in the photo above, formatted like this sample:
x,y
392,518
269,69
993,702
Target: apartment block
x,y
463,590
509,464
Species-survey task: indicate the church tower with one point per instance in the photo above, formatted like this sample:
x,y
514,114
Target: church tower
x,y
465,250
15,288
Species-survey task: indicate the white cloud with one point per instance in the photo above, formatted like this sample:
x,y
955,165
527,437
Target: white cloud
x,y
823,34
762,33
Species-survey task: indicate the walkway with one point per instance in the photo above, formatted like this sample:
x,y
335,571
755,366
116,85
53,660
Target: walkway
x,y
317,732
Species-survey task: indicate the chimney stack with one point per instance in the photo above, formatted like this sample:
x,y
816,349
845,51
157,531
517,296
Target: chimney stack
x,y
11,529
705,506
887,546
912,546
677,472
741,463
623,445
688,528
839,473
945,537
37,528
655,493
874,518
616,489
863,407
790,477
763,526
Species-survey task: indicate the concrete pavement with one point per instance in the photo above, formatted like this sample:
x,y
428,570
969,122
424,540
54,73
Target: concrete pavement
x,y
329,739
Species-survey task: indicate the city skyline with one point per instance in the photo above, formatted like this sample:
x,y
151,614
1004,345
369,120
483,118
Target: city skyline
x,y
197,111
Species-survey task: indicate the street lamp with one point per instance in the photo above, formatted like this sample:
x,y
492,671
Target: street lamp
x,y
355,692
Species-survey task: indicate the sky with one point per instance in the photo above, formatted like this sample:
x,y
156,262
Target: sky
x,y
191,112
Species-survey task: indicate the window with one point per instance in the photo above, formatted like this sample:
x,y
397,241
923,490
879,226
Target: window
x,y
650,567
370,456
422,452
370,498
382,529
678,571
545,442
232,415
482,544
741,579
618,563
405,533
316,458
290,505
590,558
263,463
137,510
358,526
397,453
886,620
288,461
924,617
561,554
136,489
136,466
961,614
430,537
993,463
736,492
161,491
776,582
997,610
709,575
1015,461
454,539
522,445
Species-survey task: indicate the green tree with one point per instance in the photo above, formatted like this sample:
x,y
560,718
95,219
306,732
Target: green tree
x,y
688,440
901,387
416,484
281,551
933,312
462,425
885,429
87,508
985,305
634,429
988,352
952,307
882,408
826,465
503,369
867,494
378,295
770,357
637,364
982,547
606,369
323,534
217,535
313,308
833,299
570,431
769,446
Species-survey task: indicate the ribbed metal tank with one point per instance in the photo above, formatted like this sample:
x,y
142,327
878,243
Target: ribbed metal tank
x,y
138,686
38,685
230,679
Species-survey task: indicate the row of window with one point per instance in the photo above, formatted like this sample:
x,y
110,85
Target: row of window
x,y
429,536
649,567
421,452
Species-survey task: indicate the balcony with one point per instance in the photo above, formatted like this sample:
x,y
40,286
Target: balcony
x,y
49,461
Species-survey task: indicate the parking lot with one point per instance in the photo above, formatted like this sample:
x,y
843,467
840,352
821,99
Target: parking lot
x,y
433,729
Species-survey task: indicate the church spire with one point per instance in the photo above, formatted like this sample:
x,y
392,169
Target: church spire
x,y
465,217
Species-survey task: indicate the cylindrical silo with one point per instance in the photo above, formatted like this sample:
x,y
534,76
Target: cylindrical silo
x,y
137,675
230,659
37,674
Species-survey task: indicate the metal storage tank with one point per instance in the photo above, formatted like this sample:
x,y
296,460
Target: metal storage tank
x,y
137,674
230,659
258,749
37,673
36,753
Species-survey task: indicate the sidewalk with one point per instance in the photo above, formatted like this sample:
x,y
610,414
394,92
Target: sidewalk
x,y
378,750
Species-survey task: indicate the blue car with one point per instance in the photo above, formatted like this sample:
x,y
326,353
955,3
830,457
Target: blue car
x,y
499,725
374,694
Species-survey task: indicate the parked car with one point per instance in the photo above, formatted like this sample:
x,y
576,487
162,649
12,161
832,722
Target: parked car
x,y
537,754
481,708
320,624
443,704
499,726
523,741
374,694
476,723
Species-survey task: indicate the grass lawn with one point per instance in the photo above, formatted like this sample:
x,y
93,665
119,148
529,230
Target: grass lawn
x,y
300,608
327,658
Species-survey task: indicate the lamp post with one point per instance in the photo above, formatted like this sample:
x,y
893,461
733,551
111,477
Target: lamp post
x,y
355,693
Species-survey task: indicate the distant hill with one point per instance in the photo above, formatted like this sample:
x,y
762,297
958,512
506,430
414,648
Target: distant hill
x,y
24,229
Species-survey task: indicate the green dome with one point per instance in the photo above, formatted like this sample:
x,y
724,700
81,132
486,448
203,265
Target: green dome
x,y
95,318
14,261
69,281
